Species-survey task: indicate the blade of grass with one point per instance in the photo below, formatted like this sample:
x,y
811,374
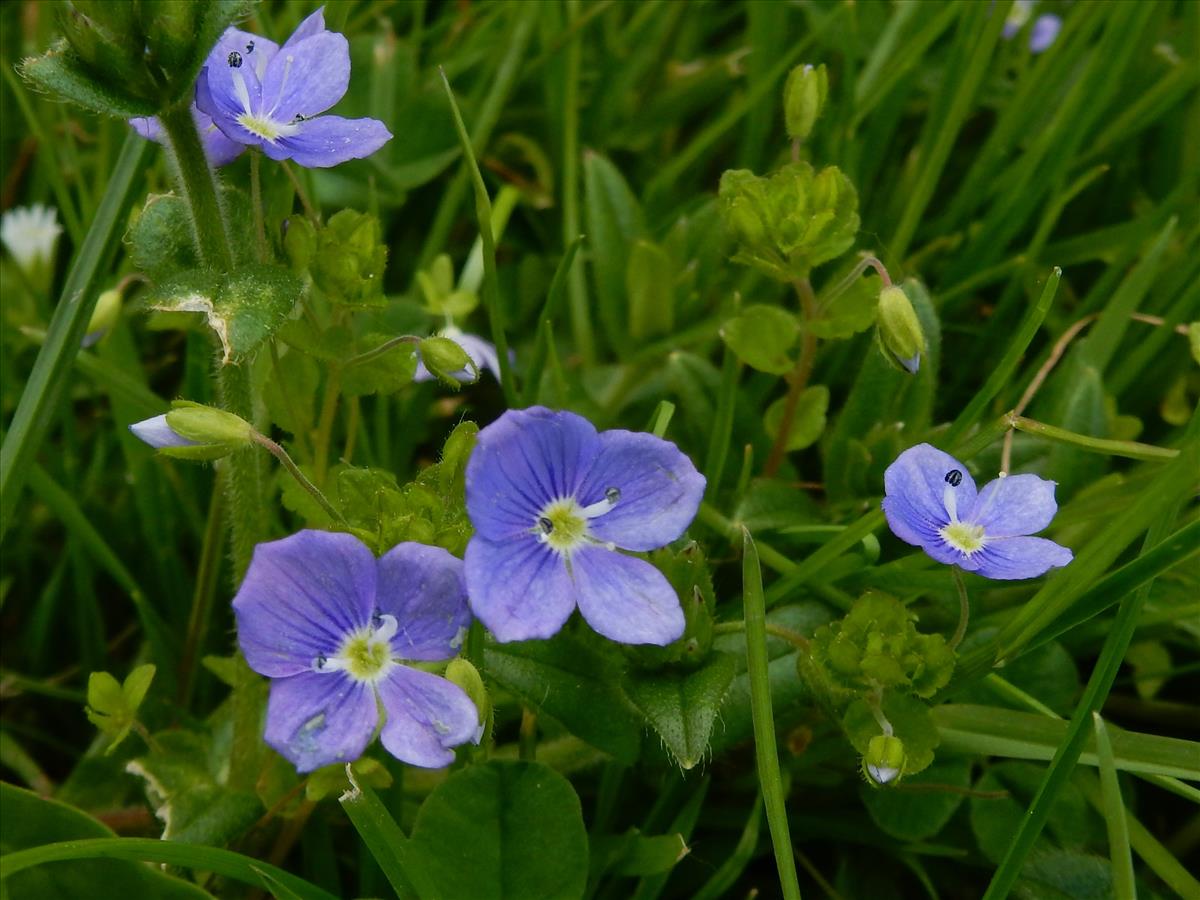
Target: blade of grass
x,y
1119,854
49,375
386,842
769,779
550,311
491,286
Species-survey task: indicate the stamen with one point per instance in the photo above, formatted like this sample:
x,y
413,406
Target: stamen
x,y
250,47
954,478
600,507
234,59
612,494
387,627
950,501
287,70
546,525
243,93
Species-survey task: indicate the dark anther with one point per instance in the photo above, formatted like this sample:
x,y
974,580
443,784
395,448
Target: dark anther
x,y
300,118
234,59
250,47
612,494
954,478
321,660
545,524
377,618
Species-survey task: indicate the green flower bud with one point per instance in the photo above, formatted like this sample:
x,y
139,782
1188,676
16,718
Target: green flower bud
x,y
899,335
803,96
194,431
104,316
448,361
466,676
883,763
350,258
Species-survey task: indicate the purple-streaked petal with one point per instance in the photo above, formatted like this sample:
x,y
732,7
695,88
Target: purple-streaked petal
x,y
518,588
425,589
314,24
307,78
329,140
219,149
1045,31
223,114
624,598
149,127
523,461
426,716
660,490
1015,505
158,434
918,493
315,719
301,597
226,91
255,51
1008,559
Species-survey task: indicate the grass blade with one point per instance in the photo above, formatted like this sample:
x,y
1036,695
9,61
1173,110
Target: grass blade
x,y
1124,887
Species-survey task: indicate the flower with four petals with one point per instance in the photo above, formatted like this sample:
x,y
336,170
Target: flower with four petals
x,y
552,500
335,629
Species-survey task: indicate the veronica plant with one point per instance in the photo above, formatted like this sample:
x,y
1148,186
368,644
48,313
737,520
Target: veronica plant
x,y
337,631
552,500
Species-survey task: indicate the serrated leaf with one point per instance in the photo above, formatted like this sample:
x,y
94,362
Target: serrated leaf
x,y
244,308
161,240
762,337
808,420
682,707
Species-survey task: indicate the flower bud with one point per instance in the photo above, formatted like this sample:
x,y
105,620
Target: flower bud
x,y
466,676
104,316
447,361
194,431
900,337
803,96
883,762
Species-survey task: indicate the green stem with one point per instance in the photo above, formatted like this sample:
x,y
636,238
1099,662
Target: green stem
x,y
964,608
798,380
202,597
581,319
309,209
244,502
199,187
718,445
260,231
1128,449
375,352
765,750
294,470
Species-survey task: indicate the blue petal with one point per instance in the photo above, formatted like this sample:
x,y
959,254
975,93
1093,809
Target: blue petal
x,y
917,492
426,716
158,434
315,719
425,589
300,598
329,140
1045,31
1015,505
231,81
307,78
523,461
312,25
1008,559
518,588
224,109
660,490
626,599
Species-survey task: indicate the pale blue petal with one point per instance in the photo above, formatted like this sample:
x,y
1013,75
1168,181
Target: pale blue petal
x,y
329,140
158,434
626,599
518,588
314,24
426,717
425,589
659,490
1045,32
523,461
1015,505
1012,558
315,719
917,490
307,78
301,597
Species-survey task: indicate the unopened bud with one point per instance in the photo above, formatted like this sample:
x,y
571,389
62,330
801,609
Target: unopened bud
x,y
803,96
194,431
466,676
900,337
104,316
448,361
883,762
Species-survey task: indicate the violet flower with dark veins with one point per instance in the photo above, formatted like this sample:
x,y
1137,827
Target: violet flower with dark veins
x,y
334,628
271,97
552,500
932,503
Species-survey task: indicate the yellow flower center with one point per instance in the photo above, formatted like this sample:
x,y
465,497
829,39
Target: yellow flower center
x,y
365,656
266,127
563,525
964,536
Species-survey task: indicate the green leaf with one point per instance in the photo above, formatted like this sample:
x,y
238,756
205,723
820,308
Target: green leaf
x,y
912,724
503,831
808,420
573,682
850,312
61,72
244,308
650,286
136,684
634,855
761,336
161,240
682,706
921,805
1151,664
30,821
384,373
614,222
107,707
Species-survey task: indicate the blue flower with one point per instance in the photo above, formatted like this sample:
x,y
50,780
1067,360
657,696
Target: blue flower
x,y
482,353
263,95
932,503
332,627
1045,27
219,149
551,501
158,434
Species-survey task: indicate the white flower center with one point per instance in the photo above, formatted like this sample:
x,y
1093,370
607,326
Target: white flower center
x,y
563,523
366,654
267,128
964,537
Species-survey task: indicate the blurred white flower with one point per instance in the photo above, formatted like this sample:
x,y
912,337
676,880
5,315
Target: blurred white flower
x,y
30,233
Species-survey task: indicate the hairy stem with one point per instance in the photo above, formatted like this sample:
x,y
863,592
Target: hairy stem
x,y
199,188
964,608
797,380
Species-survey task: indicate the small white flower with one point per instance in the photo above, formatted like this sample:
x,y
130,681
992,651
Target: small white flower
x,y
29,233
